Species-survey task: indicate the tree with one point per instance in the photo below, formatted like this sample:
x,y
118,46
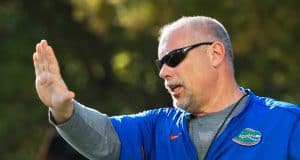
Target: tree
x,y
106,50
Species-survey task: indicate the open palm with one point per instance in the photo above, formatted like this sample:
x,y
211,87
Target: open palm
x,y
50,86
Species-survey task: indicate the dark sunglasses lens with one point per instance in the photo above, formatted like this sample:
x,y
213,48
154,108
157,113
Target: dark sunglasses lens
x,y
171,59
175,59
165,59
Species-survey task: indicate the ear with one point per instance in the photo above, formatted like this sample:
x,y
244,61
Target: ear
x,y
217,51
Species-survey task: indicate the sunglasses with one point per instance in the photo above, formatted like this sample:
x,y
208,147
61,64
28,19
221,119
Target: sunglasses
x,y
174,57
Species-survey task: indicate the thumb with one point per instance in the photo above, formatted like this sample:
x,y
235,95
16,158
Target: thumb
x,y
70,95
67,97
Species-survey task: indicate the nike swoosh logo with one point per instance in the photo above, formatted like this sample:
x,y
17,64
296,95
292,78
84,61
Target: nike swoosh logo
x,y
175,136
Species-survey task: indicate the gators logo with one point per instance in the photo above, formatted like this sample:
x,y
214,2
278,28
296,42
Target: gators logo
x,y
248,137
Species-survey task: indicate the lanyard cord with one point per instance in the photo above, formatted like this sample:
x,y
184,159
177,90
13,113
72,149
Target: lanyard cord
x,y
223,123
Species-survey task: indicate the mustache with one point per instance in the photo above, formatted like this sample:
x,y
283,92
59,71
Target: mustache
x,y
171,83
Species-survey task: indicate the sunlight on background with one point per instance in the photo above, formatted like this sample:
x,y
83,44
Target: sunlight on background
x,y
106,50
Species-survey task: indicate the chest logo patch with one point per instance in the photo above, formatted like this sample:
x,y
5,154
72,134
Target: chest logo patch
x,y
248,137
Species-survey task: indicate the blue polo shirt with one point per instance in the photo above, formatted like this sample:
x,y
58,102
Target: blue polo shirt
x,y
265,129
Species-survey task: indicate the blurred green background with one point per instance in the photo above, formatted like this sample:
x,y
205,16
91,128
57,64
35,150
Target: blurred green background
x,y
106,50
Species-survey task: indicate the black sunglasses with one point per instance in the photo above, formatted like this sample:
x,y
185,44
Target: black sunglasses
x,y
174,57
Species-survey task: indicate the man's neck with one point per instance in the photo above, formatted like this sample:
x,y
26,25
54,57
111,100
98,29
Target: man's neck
x,y
221,98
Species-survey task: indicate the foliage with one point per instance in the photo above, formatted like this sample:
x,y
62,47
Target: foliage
x,y
106,50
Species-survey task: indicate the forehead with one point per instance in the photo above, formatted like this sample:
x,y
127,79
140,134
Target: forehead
x,y
173,39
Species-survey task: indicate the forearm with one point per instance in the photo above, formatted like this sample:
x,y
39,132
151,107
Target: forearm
x,y
91,133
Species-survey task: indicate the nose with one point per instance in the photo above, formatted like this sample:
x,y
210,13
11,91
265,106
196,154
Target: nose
x,y
166,72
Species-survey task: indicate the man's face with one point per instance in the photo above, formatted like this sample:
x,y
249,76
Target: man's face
x,y
189,81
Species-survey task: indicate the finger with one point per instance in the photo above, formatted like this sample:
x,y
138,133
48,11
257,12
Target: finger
x,y
35,62
38,48
44,61
50,55
44,45
38,54
53,64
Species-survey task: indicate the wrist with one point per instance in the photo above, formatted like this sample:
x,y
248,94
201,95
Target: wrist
x,y
61,116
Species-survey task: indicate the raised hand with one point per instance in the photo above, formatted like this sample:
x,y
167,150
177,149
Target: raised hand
x,y
50,86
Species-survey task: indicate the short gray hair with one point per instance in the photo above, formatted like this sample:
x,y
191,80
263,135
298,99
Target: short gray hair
x,y
202,23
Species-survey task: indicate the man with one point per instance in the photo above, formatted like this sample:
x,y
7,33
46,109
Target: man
x,y
212,118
